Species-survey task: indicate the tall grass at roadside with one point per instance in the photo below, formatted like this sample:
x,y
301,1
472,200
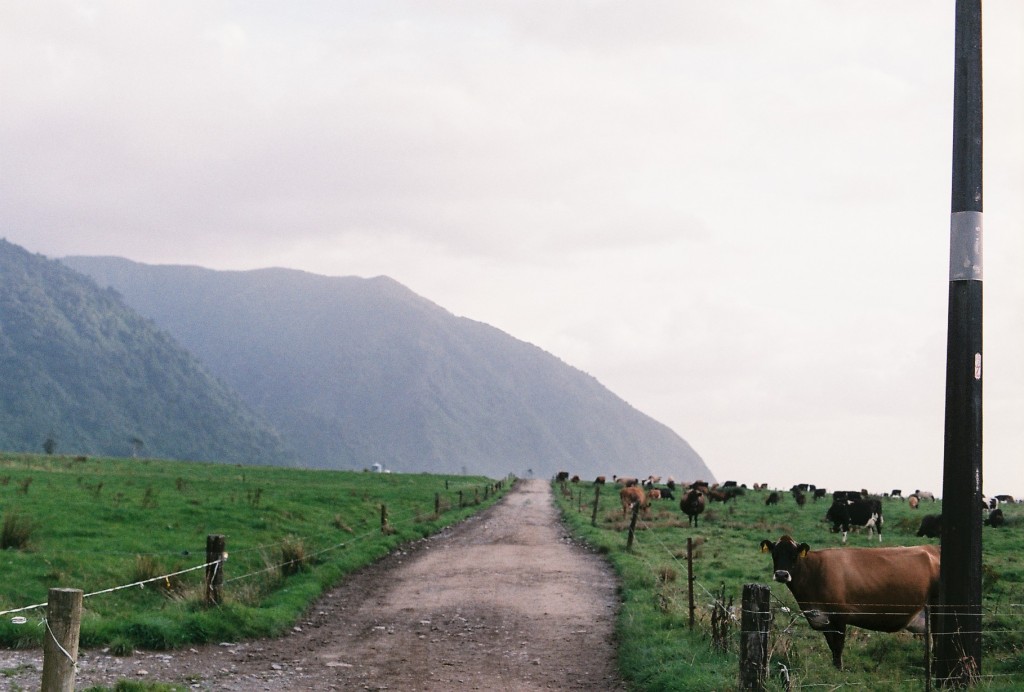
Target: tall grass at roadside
x,y
657,650
94,524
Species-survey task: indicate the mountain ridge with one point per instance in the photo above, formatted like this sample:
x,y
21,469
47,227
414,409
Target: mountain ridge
x,y
355,371
85,374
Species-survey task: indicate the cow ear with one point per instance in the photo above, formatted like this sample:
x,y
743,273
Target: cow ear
x,y
767,546
803,550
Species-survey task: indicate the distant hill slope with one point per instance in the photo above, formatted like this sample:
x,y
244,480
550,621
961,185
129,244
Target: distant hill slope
x,y
358,371
79,366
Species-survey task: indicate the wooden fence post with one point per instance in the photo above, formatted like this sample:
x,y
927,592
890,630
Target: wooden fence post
x,y
383,518
927,649
754,625
597,499
689,576
60,647
437,504
461,505
215,556
632,525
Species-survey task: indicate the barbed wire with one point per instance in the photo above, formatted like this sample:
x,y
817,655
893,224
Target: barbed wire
x,y
405,518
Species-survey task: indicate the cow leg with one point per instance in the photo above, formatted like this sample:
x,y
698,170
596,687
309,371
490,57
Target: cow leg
x,y
836,639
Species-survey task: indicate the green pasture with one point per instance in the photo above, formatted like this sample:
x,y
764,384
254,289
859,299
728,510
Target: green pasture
x,y
658,651
103,524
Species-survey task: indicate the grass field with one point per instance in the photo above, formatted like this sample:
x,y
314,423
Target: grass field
x,y
100,524
658,651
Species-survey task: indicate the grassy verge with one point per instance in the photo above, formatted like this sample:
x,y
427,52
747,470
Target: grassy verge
x,y
99,524
658,650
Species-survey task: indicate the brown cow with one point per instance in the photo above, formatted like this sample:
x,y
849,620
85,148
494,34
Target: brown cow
x,y
881,589
599,480
632,495
913,501
692,505
653,494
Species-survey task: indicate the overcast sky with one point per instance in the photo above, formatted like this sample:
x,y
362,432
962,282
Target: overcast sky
x,y
735,215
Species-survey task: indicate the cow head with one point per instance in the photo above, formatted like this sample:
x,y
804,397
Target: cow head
x,y
785,555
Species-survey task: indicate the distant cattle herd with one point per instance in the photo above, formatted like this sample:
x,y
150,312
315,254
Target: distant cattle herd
x,y
898,583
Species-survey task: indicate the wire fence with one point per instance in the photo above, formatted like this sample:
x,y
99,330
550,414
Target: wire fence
x,y
1002,622
404,517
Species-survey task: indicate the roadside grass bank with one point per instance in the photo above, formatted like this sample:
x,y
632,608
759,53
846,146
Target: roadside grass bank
x,y
658,650
133,532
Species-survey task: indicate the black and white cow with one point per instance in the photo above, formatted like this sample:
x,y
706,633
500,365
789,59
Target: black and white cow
x,y
847,512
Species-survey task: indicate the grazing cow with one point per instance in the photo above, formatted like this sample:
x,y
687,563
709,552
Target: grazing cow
x,y
1005,498
653,494
627,481
931,526
671,483
667,494
772,499
989,502
692,505
574,479
819,493
913,501
860,512
800,498
599,480
632,495
846,495
562,476
995,519
924,495
896,492
881,589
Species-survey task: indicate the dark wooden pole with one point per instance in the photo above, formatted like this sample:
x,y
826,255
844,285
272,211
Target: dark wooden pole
x,y
60,642
754,625
597,501
689,577
632,525
215,555
958,621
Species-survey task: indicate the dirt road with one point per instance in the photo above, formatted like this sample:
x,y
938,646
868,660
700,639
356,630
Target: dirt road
x,y
504,601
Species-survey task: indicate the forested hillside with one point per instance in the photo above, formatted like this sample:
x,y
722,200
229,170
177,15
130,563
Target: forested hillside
x,y
357,371
82,373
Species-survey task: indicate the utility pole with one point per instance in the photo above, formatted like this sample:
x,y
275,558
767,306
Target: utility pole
x,y
958,620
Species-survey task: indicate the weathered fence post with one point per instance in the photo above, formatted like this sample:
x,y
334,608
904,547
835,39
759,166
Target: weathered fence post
x,y
632,525
689,576
927,649
597,499
215,556
437,504
383,518
754,625
460,500
60,647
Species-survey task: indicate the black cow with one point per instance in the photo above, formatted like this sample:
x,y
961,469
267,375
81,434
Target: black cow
x,y
931,526
692,505
995,519
772,499
855,512
819,493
